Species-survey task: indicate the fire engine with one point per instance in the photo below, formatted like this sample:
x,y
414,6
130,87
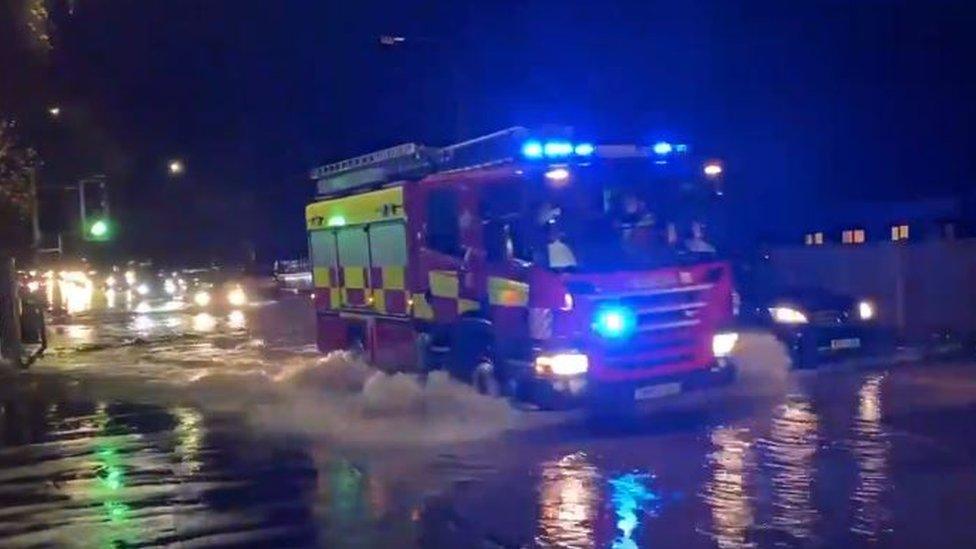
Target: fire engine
x,y
528,263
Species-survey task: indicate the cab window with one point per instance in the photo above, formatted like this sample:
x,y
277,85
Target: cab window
x,y
443,232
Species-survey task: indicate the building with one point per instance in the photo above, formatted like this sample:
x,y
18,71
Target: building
x,y
860,223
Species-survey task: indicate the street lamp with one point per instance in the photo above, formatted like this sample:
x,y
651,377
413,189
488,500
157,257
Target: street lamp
x,y
713,169
391,40
176,167
54,111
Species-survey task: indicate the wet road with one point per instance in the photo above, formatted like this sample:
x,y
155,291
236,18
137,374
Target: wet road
x,y
172,426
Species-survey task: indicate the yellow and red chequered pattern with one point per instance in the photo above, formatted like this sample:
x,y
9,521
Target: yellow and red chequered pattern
x,y
389,292
381,289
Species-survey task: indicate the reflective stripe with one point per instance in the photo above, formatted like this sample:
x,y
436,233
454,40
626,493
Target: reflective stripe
x,y
507,292
393,278
422,309
354,278
444,284
320,277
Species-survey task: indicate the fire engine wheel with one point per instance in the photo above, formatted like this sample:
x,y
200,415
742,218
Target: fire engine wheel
x,y
484,379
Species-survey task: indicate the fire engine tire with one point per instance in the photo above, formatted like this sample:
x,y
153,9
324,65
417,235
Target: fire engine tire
x,y
484,378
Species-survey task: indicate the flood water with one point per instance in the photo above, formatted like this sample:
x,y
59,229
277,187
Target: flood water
x,y
162,426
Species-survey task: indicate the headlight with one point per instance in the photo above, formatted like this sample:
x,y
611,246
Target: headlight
x,y
169,286
33,286
614,322
110,281
724,344
787,315
865,310
202,298
130,277
237,297
563,364
142,289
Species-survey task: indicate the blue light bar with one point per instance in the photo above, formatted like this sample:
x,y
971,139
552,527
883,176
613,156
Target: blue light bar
x,y
662,148
532,149
556,149
584,149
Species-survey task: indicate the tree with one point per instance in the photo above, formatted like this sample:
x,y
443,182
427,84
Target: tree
x,y
16,170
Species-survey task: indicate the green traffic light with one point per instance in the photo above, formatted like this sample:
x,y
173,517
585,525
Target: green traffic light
x,y
99,228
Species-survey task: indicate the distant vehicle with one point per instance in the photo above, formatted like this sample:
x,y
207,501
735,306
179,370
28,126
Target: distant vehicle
x,y
530,264
814,324
212,288
293,275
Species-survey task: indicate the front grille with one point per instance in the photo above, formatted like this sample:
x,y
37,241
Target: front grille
x,y
666,330
828,317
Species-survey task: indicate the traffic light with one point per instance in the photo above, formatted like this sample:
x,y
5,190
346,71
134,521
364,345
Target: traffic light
x,y
98,229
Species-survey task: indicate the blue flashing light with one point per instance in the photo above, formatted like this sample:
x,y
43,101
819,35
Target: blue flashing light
x,y
556,149
662,148
532,149
583,149
615,322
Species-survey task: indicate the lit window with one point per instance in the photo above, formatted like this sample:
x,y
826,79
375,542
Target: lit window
x,y
899,232
809,239
847,237
859,236
818,239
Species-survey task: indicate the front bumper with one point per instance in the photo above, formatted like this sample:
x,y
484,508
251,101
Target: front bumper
x,y
808,343
583,390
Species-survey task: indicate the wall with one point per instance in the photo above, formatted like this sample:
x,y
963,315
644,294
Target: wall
x,y
919,287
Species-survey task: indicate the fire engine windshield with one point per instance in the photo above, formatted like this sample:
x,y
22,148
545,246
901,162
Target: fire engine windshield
x,y
623,215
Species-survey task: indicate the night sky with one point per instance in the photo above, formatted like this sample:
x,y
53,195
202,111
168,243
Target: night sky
x,y
810,102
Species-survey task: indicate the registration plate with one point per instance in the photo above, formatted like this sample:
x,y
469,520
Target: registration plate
x,y
848,343
657,391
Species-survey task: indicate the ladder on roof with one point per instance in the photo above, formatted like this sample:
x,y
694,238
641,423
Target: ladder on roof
x,y
413,160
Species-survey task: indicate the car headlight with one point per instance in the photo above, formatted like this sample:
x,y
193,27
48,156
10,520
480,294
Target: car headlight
x,y
202,298
562,364
142,289
865,310
787,315
237,297
723,344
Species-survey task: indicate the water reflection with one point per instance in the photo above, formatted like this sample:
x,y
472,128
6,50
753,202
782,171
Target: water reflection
x,y
631,499
727,491
189,438
870,447
143,324
204,322
569,499
236,320
791,450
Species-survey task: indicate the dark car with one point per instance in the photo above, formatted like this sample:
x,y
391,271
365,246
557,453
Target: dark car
x,y
813,323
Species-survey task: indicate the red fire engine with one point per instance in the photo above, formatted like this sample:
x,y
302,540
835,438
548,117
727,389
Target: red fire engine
x,y
529,264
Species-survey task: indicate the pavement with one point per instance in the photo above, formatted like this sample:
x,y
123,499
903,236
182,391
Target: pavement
x,y
160,424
